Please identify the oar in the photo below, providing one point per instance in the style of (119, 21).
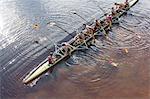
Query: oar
(54, 24)
(82, 48)
(146, 18)
(37, 42)
(73, 12)
(104, 12)
(126, 29)
(139, 15)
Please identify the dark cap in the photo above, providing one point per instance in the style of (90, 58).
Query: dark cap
(105, 14)
(51, 53)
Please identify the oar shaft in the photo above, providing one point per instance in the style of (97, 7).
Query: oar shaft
(99, 6)
(101, 9)
(80, 17)
(37, 42)
(54, 24)
(64, 30)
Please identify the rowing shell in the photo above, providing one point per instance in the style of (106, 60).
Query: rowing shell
(45, 66)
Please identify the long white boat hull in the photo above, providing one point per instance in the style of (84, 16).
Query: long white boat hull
(36, 72)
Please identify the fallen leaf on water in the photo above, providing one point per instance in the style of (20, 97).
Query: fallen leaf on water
(114, 64)
(36, 26)
(126, 50)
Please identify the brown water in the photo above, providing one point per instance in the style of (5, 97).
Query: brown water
(86, 74)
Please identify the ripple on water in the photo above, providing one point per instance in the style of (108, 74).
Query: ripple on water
(92, 75)
(92, 79)
(135, 38)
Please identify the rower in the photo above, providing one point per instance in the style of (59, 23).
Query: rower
(79, 37)
(97, 25)
(109, 21)
(114, 15)
(116, 6)
(113, 12)
(66, 48)
(82, 38)
(88, 30)
(50, 59)
(103, 24)
(119, 7)
(126, 3)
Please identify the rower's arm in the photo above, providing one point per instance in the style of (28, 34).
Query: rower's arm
(72, 46)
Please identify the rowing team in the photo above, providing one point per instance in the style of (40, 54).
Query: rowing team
(88, 31)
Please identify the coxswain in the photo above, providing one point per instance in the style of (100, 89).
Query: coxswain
(50, 59)
(97, 25)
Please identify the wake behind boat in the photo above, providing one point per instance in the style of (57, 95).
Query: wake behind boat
(85, 38)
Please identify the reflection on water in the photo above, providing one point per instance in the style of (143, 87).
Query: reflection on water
(86, 74)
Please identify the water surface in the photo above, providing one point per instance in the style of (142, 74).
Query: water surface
(86, 74)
